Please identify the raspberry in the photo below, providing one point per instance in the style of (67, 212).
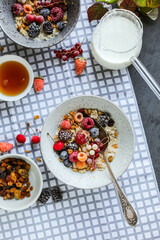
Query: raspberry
(30, 18)
(48, 27)
(21, 138)
(39, 19)
(82, 137)
(56, 14)
(33, 30)
(73, 157)
(44, 12)
(87, 123)
(64, 135)
(65, 124)
(16, 9)
(35, 139)
(5, 147)
(58, 146)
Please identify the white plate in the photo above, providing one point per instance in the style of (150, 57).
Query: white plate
(97, 178)
(36, 181)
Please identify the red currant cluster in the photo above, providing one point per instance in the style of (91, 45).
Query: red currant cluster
(50, 4)
(64, 54)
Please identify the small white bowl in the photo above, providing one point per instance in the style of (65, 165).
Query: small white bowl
(21, 60)
(97, 178)
(36, 181)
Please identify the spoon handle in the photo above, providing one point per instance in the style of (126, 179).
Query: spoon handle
(127, 209)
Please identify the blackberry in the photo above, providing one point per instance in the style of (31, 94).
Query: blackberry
(33, 30)
(110, 122)
(44, 12)
(56, 194)
(45, 195)
(64, 135)
(48, 27)
(103, 120)
(72, 145)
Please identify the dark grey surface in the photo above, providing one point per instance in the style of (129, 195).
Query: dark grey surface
(149, 105)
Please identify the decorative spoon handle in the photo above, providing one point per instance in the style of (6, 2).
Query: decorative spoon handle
(127, 209)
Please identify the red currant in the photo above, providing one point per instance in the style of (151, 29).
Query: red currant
(64, 58)
(80, 50)
(76, 53)
(21, 138)
(77, 45)
(35, 139)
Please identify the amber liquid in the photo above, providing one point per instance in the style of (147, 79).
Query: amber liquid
(14, 78)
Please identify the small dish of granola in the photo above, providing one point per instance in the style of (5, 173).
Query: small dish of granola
(20, 182)
(72, 146)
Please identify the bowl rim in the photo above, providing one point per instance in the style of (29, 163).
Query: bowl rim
(40, 183)
(46, 41)
(98, 97)
(26, 64)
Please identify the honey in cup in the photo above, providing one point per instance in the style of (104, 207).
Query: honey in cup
(14, 78)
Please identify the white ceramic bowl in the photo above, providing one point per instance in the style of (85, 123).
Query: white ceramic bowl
(21, 60)
(36, 181)
(97, 178)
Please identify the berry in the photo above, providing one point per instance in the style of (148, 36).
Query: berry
(73, 157)
(33, 30)
(44, 12)
(94, 132)
(78, 117)
(56, 14)
(58, 146)
(80, 64)
(21, 138)
(110, 122)
(87, 123)
(82, 137)
(64, 155)
(80, 165)
(82, 157)
(60, 25)
(89, 160)
(64, 8)
(92, 153)
(27, 8)
(65, 124)
(95, 147)
(81, 110)
(56, 194)
(38, 84)
(96, 155)
(67, 163)
(64, 135)
(39, 19)
(80, 51)
(76, 53)
(30, 18)
(103, 120)
(48, 27)
(98, 150)
(72, 145)
(97, 140)
(35, 139)
(100, 145)
(64, 58)
(77, 45)
(16, 9)
(45, 195)
(5, 147)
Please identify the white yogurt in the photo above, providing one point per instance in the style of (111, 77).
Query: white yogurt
(116, 39)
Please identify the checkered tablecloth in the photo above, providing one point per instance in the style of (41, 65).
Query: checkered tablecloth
(83, 214)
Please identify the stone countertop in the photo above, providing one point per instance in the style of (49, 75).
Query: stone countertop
(149, 105)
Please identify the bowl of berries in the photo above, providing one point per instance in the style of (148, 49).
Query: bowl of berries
(38, 23)
(74, 136)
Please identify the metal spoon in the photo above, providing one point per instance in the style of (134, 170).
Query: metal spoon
(127, 209)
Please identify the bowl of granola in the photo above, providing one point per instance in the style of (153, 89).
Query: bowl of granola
(38, 23)
(72, 143)
(20, 182)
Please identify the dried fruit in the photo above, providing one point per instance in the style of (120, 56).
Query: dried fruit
(5, 147)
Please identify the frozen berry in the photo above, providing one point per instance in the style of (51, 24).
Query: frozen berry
(89, 160)
(72, 145)
(64, 135)
(33, 30)
(103, 120)
(87, 123)
(58, 146)
(64, 155)
(56, 14)
(30, 18)
(95, 147)
(92, 152)
(94, 132)
(48, 27)
(73, 157)
(35, 139)
(44, 12)
(97, 140)
(16, 9)
(45, 195)
(56, 194)
(39, 19)
(82, 137)
(65, 124)
(67, 163)
(21, 138)
(60, 25)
